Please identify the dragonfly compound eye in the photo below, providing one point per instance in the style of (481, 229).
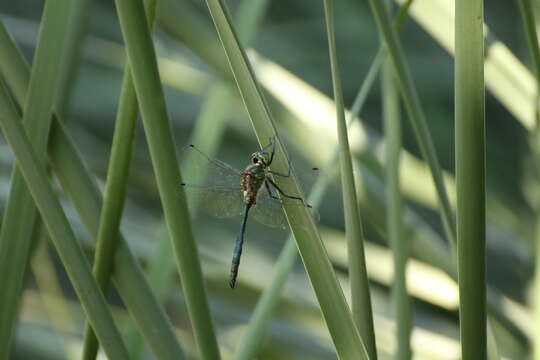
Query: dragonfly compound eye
(261, 157)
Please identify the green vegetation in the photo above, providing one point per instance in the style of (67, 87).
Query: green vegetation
(471, 177)
(414, 191)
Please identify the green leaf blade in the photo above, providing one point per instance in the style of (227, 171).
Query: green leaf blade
(146, 79)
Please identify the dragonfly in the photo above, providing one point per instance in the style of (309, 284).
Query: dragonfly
(224, 191)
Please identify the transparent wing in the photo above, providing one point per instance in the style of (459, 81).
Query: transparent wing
(226, 202)
(200, 169)
(213, 186)
(269, 211)
(209, 184)
(218, 201)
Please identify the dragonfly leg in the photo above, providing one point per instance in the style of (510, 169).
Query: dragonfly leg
(288, 174)
(283, 193)
(277, 173)
(273, 144)
(270, 191)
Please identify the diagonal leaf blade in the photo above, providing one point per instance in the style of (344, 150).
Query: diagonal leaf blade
(80, 186)
(146, 79)
(329, 294)
(14, 238)
(115, 193)
(60, 231)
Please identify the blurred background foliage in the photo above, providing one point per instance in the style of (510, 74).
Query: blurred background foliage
(292, 37)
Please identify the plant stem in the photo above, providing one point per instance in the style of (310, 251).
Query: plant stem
(416, 113)
(470, 176)
(360, 295)
(397, 237)
(79, 185)
(142, 59)
(529, 23)
(71, 254)
(115, 190)
(345, 335)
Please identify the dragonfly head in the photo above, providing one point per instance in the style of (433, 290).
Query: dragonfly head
(261, 157)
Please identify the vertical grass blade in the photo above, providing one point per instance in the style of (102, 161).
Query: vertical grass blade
(344, 333)
(254, 333)
(15, 239)
(470, 176)
(78, 184)
(537, 294)
(207, 133)
(360, 295)
(183, 30)
(265, 306)
(145, 75)
(115, 190)
(529, 23)
(397, 237)
(113, 199)
(209, 128)
(378, 62)
(59, 229)
(415, 112)
(417, 117)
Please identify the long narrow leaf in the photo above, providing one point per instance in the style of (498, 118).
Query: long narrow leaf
(470, 176)
(416, 113)
(78, 18)
(37, 109)
(329, 294)
(115, 191)
(48, 283)
(191, 23)
(80, 187)
(268, 301)
(160, 266)
(113, 200)
(254, 333)
(208, 130)
(503, 69)
(59, 229)
(528, 18)
(360, 294)
(527, 15)
(397, 237)
(142, 59)
(129, 278)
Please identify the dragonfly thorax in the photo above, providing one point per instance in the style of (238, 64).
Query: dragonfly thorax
(252, 179)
